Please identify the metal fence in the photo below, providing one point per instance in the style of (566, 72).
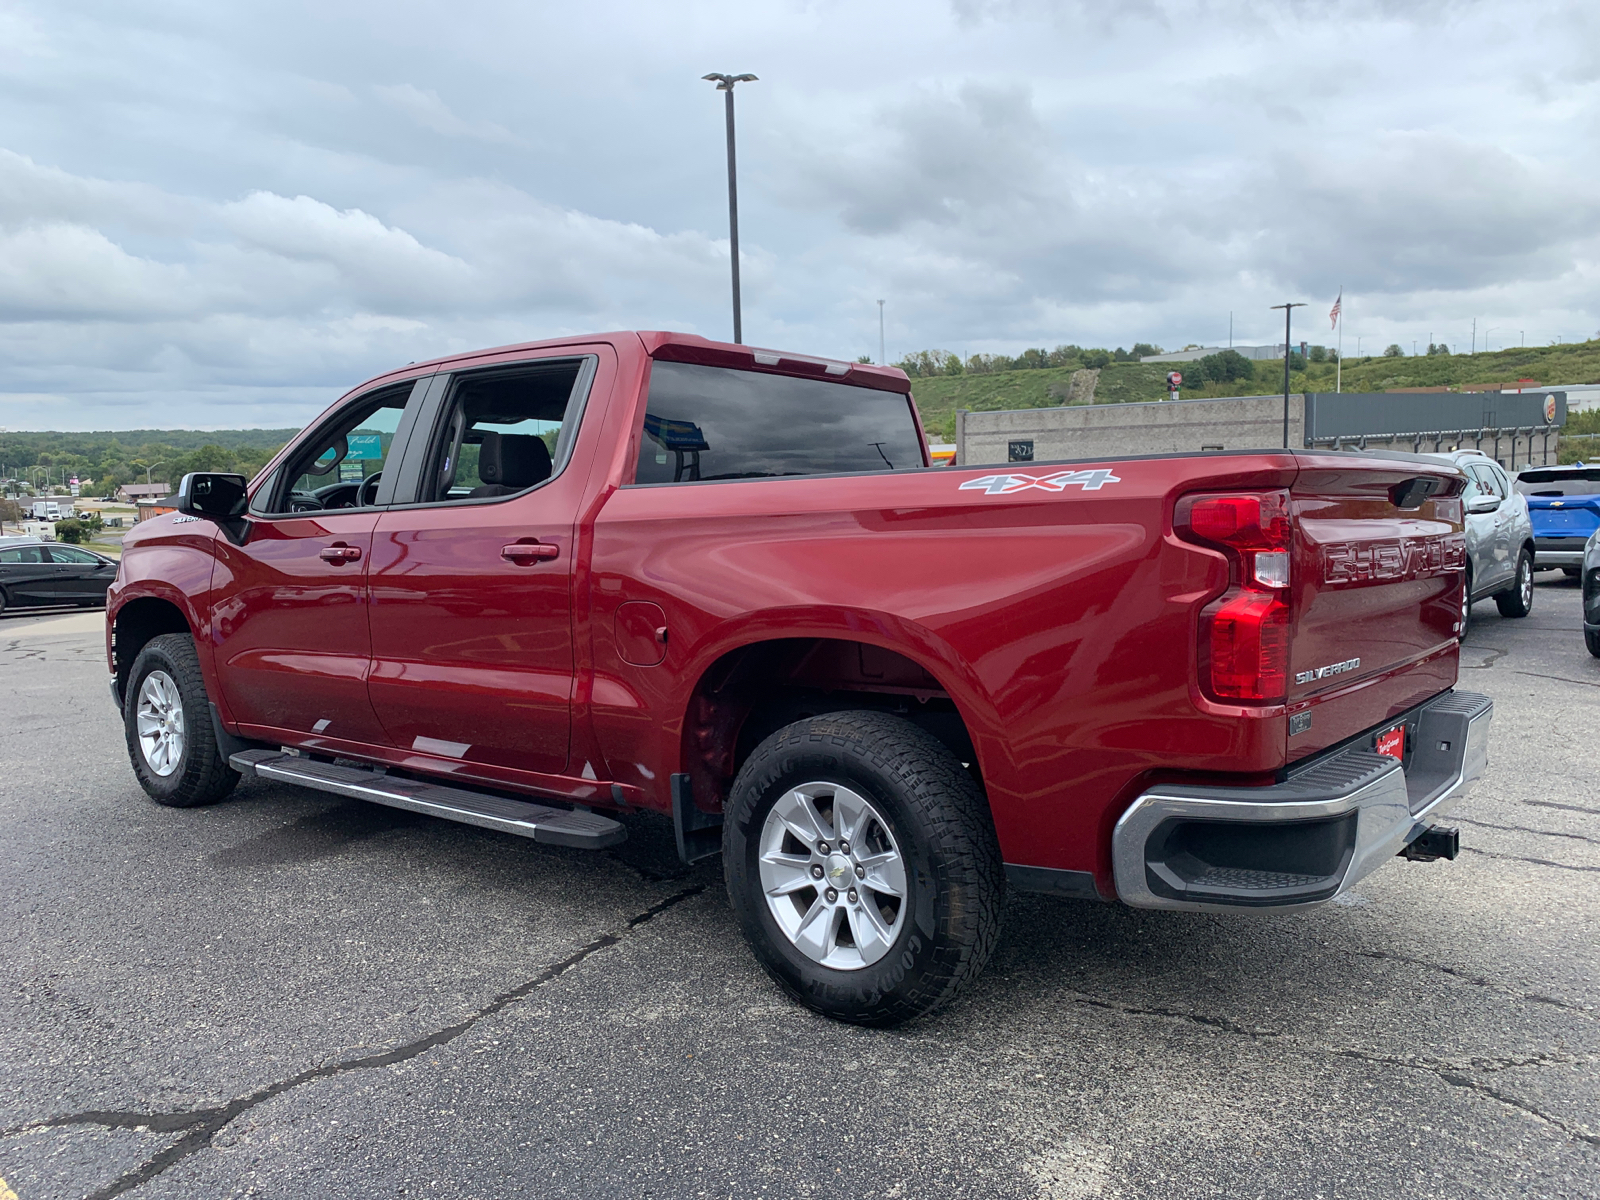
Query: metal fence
(1457, 439)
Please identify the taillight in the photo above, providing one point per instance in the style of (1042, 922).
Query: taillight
(1244, 635)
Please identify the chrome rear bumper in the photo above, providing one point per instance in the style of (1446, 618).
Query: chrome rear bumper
(1306, 840)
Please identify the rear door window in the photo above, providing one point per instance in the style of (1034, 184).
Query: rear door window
(703, 423)
(504, 430)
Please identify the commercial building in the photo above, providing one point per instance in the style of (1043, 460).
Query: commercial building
(1518, 430)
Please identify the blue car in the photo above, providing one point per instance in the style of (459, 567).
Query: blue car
(1564, 505)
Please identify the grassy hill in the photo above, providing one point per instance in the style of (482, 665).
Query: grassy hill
(940, 396)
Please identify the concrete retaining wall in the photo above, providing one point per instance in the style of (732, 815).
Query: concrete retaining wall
(1120, 430)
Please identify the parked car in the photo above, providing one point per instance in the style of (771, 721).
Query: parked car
(33, 572)
(1500, 546)
(1591, 593)
(1564, 505)
(649, 571)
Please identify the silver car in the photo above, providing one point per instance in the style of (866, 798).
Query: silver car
(1499, 537)
(1591, 593)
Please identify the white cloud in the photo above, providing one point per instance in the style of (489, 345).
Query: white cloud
(232, 213)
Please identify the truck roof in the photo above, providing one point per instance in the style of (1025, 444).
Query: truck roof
(680, 347)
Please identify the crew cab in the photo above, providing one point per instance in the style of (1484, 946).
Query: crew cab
(537, 587)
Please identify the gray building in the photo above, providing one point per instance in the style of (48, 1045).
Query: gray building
(1518, 430)
(1257, 353)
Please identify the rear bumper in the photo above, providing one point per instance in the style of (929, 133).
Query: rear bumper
(1306, 840)
(1558, 552)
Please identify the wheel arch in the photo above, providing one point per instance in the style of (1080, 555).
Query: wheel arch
(135, 623)
(751, 685)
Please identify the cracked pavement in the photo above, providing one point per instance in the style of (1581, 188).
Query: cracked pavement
(295, 994)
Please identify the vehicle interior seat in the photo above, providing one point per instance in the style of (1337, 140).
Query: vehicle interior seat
(510, 462)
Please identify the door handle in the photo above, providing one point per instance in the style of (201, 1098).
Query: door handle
(526, 553)
(339, 553)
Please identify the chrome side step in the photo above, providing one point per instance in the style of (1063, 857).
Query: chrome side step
(553, 826)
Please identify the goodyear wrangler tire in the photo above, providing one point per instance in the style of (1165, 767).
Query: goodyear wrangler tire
(863, 867)
(167, 723)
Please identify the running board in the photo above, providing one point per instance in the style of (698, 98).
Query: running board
(580, 829)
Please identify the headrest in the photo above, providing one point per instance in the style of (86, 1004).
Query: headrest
(513, 460)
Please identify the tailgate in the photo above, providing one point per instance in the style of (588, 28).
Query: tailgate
(1377, 581)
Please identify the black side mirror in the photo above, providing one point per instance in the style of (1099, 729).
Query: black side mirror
(214, 496)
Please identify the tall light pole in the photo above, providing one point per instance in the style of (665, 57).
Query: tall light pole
(883, 355)
(725, 84)
(1288, 311)
(150, 468)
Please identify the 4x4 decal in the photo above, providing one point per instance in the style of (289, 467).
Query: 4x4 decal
(1004, 485)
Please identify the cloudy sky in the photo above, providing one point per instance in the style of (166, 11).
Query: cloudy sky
(226, 214)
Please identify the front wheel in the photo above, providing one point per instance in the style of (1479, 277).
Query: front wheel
(1517, 600)
(863, 867)
(1591, 639)
(167, 722)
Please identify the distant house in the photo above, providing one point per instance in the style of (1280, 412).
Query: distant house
(152, 506)
(132, 493)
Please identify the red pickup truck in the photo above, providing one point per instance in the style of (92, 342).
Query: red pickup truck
(534, 587)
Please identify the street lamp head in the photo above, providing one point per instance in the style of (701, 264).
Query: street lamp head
(725, 82)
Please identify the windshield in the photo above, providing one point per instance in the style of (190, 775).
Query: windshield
(705, 423)
(1583, 482)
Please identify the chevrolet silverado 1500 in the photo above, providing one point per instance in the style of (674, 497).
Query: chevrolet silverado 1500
(533, 587)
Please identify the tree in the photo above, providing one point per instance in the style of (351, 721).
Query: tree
(1319, 354)
(1144, 350)
(1392, 350)
(1441, 348)
(1224, 366)
(71, 531)
(864, 358)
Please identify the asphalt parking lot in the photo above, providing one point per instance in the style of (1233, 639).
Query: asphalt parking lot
(290, 994)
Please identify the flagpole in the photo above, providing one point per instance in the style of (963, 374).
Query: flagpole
(1338, 367)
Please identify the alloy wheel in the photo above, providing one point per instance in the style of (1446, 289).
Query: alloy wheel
(833, 875)
(159, 720)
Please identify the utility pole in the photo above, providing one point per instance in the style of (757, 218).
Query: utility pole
(1288, 311)
(1474, 343)
(725, 85)
(883, 357)
(1230, 331)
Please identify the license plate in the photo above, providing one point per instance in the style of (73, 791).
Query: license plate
(1392, 742)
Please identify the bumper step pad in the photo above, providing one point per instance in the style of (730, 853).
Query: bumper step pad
(554, 826)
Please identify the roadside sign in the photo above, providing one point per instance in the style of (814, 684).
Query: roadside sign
(365, 447)
(1174, 378)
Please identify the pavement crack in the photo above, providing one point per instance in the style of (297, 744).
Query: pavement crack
(1559, 678)
(200, 1125)
(1538, 862)
(1176, 1014)
(1524, 829)
(1577, 808)
(1495, 655)
(1453, 1075)
(1479, 981)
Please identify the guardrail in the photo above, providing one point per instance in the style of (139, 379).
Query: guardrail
(1457, 437)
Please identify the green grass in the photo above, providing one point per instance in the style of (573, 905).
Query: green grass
(939, 397)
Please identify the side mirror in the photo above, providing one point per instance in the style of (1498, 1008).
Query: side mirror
(1483, 504)
(216, 497)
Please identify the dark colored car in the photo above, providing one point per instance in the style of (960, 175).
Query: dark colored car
(1564, 505)
(37, 573)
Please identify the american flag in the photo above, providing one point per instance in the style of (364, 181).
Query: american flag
(1333, 314)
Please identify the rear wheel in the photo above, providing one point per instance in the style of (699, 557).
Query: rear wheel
(167, 723)
(1517, 600)
(1591, 639)
(863, 867)
(1466, 604)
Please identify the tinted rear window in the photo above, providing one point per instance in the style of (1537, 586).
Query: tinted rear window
(717, 423)
(1559, 483)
